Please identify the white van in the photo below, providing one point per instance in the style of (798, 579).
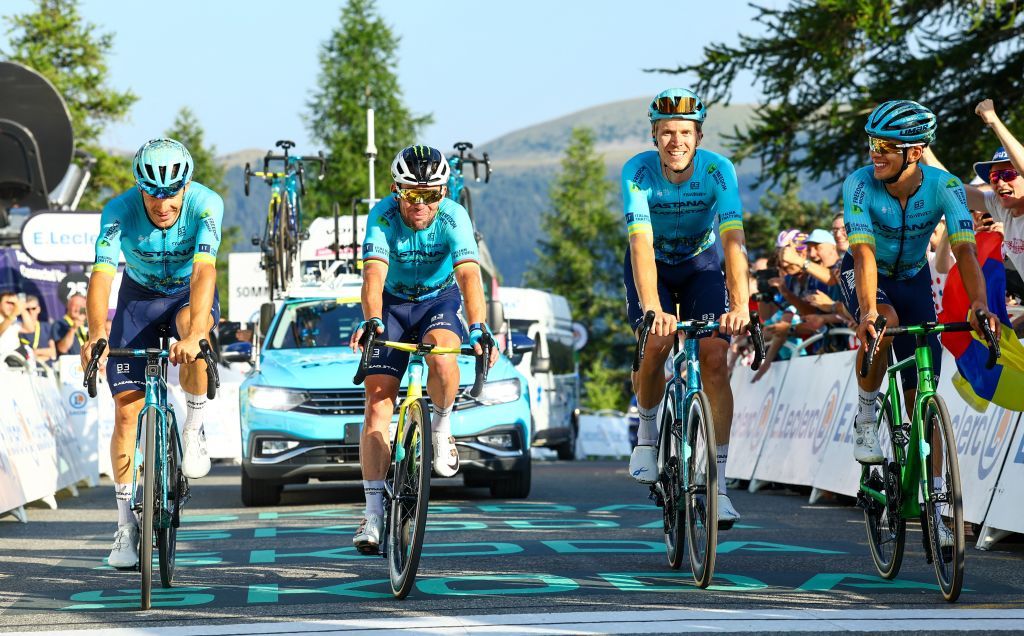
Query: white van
(551, 369)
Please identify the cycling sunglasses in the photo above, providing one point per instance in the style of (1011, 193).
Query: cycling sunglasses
(425, 197)
(887, 146)
(679, 105)
(1007, 175)
(158, 192)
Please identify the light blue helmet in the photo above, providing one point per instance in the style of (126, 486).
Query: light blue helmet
(162, 167)
(902, 120)
(677, 103)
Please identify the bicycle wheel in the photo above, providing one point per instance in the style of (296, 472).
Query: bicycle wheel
(280, 246)
(885, 525)
(943, 507)
(671, 481)
(701, 489)
(167, 533)
(149, 497)
(410, 489)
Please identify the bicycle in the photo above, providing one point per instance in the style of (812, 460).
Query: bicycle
(158, 455)
(888, 491)
(407, 483)
(457, 190)
(283, 229)
(687, 438)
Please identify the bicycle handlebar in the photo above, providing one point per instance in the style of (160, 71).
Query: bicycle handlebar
(753, 328)
(462, 147)
(205, 351)
(369, 339)
(993, 345)
(757, 336)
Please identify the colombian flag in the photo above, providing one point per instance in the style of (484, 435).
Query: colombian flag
(1003, 383)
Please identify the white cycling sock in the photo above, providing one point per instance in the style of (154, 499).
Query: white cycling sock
(647, 434)
(373, 490)
(123, 494)
(196, 408)
(441, 422)
(866, 405)
(937, 484)
(722, 456)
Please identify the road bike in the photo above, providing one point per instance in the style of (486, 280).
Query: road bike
(687, 485)
(407, 484)
(157, 455)
(889, 492)
(283, 229)
(457, 189)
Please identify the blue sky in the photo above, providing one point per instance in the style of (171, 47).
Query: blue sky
(482, 68)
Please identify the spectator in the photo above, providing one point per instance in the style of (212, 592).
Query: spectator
(11, 307)
(826, 297)
(839, 233)
(940, 261)
(70, 332)
(35, 334)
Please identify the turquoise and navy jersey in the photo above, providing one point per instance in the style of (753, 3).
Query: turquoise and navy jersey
(157, 259)
(682, 216)
(421, 263)
(900, 236)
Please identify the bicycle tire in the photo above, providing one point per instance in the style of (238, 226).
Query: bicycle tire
(671, 482)
(407, 517)
(466, 201)
(948, 562)
(886, 528)
(148, 508)
(167, 533)
(701, 490)
(279, 246)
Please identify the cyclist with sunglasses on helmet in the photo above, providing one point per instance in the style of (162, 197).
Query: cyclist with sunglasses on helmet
(419, 252)
(671, 197)
(168, 228)
(891, 208)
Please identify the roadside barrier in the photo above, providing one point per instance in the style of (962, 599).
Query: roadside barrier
(795, 426)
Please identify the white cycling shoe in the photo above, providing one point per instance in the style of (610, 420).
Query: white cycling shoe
(446, 456)
(195, 461)
(945, 534)
(125, 553)
(866, 449)
(643, 464)
(367, 538)
(727, 515)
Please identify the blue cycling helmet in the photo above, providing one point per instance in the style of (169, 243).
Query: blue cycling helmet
(162, 167)
(677, 103)
(902, 120)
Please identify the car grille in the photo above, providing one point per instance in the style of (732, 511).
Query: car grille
(353, 402)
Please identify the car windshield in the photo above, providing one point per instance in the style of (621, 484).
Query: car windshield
(316, 323)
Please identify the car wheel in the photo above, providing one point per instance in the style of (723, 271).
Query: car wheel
(514, 486)
(567, 449)
(260, 492)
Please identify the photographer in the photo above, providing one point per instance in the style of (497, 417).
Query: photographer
(70, 332)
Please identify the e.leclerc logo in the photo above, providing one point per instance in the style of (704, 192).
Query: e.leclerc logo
(828, 412)
(77, 400)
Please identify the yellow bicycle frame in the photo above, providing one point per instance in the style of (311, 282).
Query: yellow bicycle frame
(275, 193)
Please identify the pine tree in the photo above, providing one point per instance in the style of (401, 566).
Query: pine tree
(358, 71)
(581, 259)
(71, 53)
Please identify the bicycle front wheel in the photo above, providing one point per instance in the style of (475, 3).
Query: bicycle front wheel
(943, 507)
(671, 481)
(886, 527)
(701, 489)
(167, 533)
(149, 507)
(410, 488)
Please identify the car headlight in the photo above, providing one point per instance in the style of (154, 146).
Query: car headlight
(500, 392)
(274, 399)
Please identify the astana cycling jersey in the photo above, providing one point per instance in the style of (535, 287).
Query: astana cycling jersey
(160, 259)
(681, 217)
(900, 235)
(421, 263)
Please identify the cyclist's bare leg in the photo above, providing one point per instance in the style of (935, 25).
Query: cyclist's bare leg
(375, 441)
(714, 375)
(442, 370)
(122, 442)
(649, 381)
(193, 374)
(877, 371)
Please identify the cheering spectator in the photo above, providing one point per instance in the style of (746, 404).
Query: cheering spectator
(839, 233)
(70, 332)
(11, 307)
(35, 334)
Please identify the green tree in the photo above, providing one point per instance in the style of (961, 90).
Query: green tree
(581, 259)
(823, 65)
(55, 41)
(358, 71)
(783, 210)
(208, 171)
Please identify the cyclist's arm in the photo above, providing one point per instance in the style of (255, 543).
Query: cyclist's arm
(635, 196)
(108, 252)
(730, 228)
(374, 274)
(466, 263)
(470, 282)
(861, 234)
(204, 269)
(960, 228)
(975, 195)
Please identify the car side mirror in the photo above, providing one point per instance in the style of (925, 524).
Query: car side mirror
(237, 352)
(496, 315)
(522, 344)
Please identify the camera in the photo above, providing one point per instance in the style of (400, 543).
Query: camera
(764, 288)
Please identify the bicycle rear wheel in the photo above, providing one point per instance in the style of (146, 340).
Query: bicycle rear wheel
(671, 481)
(149, 507)
(280, 245)
(410, 488)
(885, 525)
(943, 507)
(167, 533)
(701, 491)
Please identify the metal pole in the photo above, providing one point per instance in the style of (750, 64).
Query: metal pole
(371, 152)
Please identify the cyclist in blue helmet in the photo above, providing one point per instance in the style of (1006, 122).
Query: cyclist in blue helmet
(168, 229)
(672, 197)
(891, 208)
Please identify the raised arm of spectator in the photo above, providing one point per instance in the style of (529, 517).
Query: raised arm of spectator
(943, 254)
(1014, 149)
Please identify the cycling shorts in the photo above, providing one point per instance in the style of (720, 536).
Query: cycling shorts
(408, 321)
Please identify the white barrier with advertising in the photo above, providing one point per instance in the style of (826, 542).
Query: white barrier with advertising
(1006, 511)
(753, 406)
(82, 415)
(247, 286)
(813, 403)
(220, 420)
(603, 436)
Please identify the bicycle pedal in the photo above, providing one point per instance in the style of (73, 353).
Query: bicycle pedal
(726, 524)
(368, 549)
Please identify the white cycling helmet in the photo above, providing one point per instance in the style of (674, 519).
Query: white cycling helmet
(420, 166)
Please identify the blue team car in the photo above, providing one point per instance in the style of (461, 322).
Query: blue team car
(301, 414)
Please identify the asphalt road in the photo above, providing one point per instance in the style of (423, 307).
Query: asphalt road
(586, 540)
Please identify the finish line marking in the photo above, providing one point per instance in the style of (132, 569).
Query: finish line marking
(657, 621)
